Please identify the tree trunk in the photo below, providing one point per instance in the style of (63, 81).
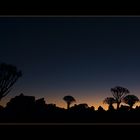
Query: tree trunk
(111, 107)
(118, 105)
(131, 107)
(68, 105)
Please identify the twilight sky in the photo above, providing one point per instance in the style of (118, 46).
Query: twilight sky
(79, 56)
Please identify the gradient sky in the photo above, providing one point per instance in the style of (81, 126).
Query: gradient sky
(79, 56)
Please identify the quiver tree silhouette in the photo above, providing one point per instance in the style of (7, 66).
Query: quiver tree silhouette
(130, 100)
(8, 77)
(110, 101)
(68, 99)
(119, 93)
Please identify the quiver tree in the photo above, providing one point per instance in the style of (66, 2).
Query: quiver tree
(130, 100)
(69, 99)
(119, 93)
(8, 77)
(110, 101)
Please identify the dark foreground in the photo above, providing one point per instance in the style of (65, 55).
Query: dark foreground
(70, 116)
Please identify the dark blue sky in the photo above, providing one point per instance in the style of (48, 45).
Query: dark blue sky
(80, 56)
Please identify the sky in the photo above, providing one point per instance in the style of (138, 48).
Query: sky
(79, 56)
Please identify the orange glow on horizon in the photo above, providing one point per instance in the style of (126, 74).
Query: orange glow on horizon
(62, 104)
(95, 100)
